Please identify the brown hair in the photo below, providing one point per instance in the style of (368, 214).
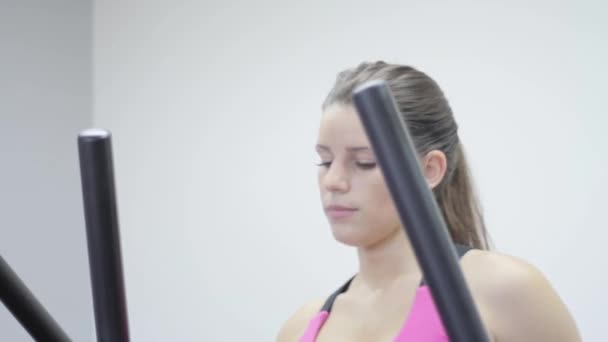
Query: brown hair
(432, 126)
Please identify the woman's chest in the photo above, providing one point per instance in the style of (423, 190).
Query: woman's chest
(360, 321)
(398, 319)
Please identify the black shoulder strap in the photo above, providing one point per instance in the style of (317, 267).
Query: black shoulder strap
(461, 250)
(330, 301)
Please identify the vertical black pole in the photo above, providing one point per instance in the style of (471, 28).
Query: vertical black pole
(26, 309)
(103, 238)
(418, 210)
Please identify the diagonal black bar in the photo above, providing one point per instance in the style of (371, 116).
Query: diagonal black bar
(418, 210)
(26, 309)
(103, 238)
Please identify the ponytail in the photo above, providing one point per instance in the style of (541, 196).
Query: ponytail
(460, 207)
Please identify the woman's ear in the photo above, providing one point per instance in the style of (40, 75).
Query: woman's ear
(434, 167)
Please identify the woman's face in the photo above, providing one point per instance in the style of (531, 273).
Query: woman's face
(353, 192)
(354, 195)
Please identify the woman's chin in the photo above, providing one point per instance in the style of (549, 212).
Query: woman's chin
(349, 235)
(357, 236)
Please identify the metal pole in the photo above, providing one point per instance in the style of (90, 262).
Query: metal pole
(26, 309)
(103, 236)
(418, 210)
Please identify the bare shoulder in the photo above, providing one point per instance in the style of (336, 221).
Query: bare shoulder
(293, 328)
(522, 302)
(494, 273)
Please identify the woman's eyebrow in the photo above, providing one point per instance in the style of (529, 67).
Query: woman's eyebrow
(348, 148)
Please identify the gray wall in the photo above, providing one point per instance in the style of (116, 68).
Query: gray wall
(45, 99)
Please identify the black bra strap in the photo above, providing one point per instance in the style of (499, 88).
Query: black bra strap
(330, 301)
(460, 249)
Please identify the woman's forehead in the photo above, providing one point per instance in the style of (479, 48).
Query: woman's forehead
(342, 123)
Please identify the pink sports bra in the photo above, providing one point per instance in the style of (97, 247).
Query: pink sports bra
(423, 323)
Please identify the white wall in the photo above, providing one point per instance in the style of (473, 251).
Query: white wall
(214, 110)
(45, 99)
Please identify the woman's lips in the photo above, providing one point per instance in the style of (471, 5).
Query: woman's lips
(339, 212)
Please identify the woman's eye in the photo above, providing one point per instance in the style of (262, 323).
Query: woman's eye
(366, 166)
(324, 164)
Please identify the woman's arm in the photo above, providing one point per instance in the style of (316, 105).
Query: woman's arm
(523, 304)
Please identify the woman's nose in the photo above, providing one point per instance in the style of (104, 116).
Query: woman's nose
(336, 179)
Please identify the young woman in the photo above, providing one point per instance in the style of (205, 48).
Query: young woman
(387, 300)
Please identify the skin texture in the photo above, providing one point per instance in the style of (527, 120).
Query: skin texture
(515, 300)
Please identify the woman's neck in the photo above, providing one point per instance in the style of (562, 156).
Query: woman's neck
(385, 263)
